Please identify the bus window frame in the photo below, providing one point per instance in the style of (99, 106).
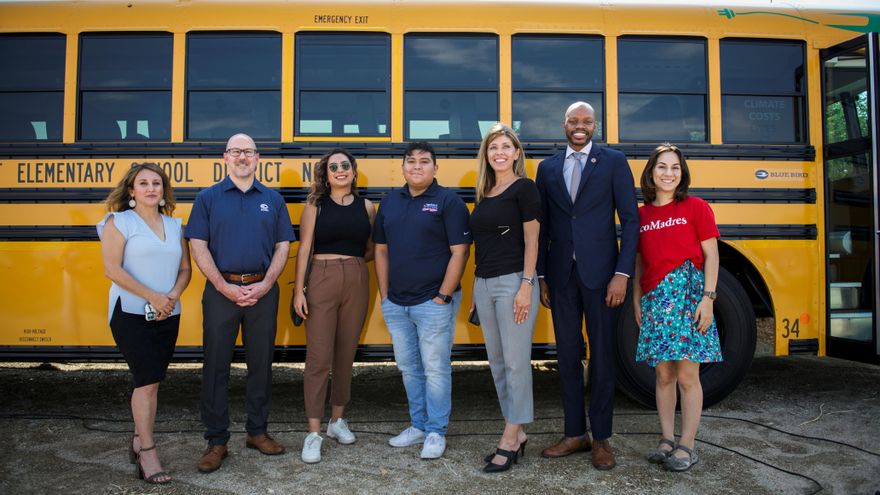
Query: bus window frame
(804, 106)
(436, 89)
(59, 90)
(299, 90)
(80, 89)
(602, 91)
(189, 88)
(707, 122)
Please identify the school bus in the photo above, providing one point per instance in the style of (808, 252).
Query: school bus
(774, 106)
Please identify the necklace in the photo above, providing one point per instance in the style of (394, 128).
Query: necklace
(502, 186)
(340, 201)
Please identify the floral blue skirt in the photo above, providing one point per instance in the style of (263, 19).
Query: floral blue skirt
(668, 331)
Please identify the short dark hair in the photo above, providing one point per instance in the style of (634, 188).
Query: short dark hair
(420, 146)
(649, 190)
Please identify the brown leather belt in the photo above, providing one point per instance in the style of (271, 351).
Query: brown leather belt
(243, 278)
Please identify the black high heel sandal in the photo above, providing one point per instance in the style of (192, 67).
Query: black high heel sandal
(132, 455)
(521, 449)
(510, 458)
(153, 479)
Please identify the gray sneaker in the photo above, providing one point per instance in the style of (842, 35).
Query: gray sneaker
(659, 455)
(674, 463)
(311, 452)
(339, 430)
(408, 437)
(435, 445)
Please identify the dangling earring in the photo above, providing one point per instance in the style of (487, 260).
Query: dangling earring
(162, 202)
(132, 203)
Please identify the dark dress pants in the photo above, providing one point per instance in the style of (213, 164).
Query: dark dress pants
(221, 321)
(569, 303)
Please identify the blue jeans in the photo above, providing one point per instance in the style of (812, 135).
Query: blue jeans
(422, 339)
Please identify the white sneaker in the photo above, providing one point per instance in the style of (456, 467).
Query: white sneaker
(409, 436)
(311, 452)
(434, 446)
(339, 430)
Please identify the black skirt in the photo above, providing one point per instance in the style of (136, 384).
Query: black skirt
(147, 346)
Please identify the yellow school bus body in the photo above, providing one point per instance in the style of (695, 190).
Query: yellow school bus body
(54, 299)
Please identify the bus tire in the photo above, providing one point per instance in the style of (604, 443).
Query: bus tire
(737, 332)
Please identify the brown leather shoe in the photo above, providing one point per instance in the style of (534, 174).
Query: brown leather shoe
(212, 459)
(567, 446)
(265, 444)
(603, 456)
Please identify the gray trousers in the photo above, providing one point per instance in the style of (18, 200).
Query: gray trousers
(508, 345)
(221, 321)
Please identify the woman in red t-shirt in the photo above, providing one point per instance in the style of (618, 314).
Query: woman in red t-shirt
(674, 291)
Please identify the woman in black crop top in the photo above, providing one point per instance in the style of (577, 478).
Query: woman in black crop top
(339, 223)
(505, 229)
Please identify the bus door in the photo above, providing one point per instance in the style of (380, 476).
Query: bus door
(850, 120)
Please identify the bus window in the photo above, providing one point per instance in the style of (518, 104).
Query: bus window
(450, 86)
(32, 87)
(550, 72)
(125, 86)
(763, 88)
(662, 84)
(233, 84)
(342, 84)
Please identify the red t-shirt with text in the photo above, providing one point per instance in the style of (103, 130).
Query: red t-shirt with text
(671, 234)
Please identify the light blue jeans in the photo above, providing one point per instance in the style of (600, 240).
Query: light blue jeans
(422, 339)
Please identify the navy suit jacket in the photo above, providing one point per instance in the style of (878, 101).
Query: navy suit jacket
(587, 227)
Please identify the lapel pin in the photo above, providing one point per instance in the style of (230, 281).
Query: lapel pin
(593, 160)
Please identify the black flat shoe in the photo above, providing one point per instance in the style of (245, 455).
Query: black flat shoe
(521, 449)
(510, 458)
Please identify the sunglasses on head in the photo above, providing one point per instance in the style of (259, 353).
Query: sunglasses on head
(334, 167)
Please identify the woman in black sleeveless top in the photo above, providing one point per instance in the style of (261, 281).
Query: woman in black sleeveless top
(339, 223)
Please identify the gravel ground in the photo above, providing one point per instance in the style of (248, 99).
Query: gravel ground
(65, 427)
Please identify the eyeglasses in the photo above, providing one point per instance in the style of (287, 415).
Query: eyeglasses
(344, 165)
(236, 152)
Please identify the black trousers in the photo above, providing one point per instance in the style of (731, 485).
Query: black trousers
(221, 321)
(569, 303)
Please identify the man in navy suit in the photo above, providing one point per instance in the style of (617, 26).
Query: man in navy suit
(582, 273)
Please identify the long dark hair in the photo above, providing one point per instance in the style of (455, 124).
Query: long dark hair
(649, 190)
(118, 198)
(320, 185)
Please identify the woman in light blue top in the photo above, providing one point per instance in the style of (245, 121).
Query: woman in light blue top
(147, 259)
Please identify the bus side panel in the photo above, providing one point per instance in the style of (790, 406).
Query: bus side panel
(790, 269)
(56, 294)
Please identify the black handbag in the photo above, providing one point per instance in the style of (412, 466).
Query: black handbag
(297, 319)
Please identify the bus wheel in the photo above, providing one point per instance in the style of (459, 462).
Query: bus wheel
(736, 330)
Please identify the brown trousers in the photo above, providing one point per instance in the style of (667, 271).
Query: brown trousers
(338, 296)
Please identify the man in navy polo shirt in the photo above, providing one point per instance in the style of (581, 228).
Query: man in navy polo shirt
(240, 233)
(422, 243)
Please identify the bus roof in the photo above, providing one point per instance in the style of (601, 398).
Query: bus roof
(822, 22)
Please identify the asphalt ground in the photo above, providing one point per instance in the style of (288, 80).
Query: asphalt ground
(796, 425)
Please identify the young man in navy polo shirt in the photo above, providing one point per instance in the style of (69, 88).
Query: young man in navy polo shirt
(240, 234)
(422, 242)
